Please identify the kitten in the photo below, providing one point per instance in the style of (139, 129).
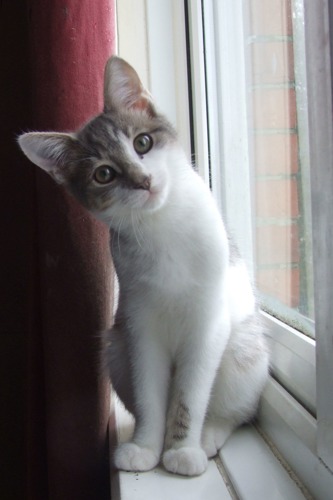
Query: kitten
(186, 354)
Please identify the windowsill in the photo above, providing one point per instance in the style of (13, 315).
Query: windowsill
(246, 469)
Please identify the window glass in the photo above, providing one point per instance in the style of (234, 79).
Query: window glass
(256, 59)
(278, 133)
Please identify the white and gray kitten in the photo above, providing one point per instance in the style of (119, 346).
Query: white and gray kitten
(186, 354)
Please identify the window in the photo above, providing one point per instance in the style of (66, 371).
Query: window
(263, 72)
(258, 155)
(279, 137)
(253, 80)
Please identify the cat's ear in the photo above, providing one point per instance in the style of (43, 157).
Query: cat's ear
(48, 150)
(123, 88)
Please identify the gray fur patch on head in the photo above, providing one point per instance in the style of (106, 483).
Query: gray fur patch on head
(102, 140)
(102, 135)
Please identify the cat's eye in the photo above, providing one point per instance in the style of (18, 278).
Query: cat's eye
(143, 143)
(104, 174)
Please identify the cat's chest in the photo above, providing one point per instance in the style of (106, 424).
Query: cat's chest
(166, 265)
(172, 254)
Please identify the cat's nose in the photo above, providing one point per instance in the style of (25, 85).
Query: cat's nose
(145, 183)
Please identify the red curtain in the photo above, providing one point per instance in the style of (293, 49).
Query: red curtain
(57, 268)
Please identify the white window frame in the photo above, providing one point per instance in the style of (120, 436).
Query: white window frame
(319, 44)
(302, 439)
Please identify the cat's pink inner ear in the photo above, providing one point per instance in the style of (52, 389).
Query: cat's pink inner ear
(45, 149)
(144, 104)
(123, 88)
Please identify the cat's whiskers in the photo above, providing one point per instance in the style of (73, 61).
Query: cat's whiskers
(115, 225)
(194, 161)
(136, 230)
(140, 226)
(118, 231)
(113, 233)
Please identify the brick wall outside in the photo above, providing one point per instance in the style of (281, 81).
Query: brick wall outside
(275, 149)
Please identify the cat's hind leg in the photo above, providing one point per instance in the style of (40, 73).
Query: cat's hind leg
(215, 433)
(236, 391)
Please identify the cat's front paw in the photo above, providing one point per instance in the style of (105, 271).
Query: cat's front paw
(186, 461)
(131, 457)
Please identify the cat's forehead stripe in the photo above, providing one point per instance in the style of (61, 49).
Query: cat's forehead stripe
(99, 136)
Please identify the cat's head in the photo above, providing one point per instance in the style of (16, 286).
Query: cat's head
(118, 161)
